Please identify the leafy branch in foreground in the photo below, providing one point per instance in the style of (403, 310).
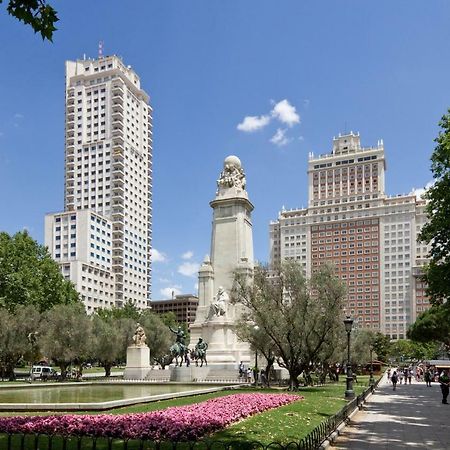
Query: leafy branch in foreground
(37, 13)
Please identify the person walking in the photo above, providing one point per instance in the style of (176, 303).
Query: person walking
(427, 378)
(389, 374)
(394, 379)
(410, 374)
(444, 381)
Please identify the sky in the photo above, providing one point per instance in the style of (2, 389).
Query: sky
(268, 81)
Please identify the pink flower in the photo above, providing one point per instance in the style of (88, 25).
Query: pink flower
(178, 423)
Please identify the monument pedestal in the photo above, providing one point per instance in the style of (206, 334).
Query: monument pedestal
(138, 363)
(188, 374)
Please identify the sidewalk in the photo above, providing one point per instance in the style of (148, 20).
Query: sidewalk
(412, 417)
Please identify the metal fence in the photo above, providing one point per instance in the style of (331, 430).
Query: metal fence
(310, 442)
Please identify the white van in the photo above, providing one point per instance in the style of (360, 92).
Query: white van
(42, 372)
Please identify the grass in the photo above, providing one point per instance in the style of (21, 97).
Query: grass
(285, 424)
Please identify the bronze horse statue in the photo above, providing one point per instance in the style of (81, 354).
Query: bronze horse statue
(179, 352)
(197, 356)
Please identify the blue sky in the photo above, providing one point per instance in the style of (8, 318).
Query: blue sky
(308, 69)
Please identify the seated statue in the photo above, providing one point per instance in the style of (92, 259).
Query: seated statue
(139, 336)
(219, 304)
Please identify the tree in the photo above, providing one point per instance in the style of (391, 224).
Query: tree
(66, 335)
(15, 329)
(437, 229)
(381, 346)
(159, 337)
(301, 317)
(36, 13)
(107, 343)
(29, 276)
(432, 326)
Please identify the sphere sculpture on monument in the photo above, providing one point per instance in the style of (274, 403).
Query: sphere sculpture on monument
(232, 174)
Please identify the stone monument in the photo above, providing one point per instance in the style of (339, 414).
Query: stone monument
(138, 357)
(231, 250)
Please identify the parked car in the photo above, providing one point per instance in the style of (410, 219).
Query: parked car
(42, 373)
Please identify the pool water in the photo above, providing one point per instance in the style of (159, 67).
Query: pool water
(91, 393)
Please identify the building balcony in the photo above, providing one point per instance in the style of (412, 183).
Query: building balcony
(70, 109)
(118, 189)
(118, 237)
(117, 124)
(70, 158)
(70, 132)
(117, 99)
(70, 118)
(116, 107)
(117, 89)
(118, 180)
(118, 215)
(70, 100)
(118, 172)
(117, 115)
(117, 133)
(118, 141)
(70, 141)
(118, 151)
(70, 166)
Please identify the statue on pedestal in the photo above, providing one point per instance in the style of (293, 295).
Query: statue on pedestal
(199, 353)
(179, 349)
(139, 336)
(219, 305)
(232, 174)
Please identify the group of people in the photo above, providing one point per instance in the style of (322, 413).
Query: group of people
(397, 376)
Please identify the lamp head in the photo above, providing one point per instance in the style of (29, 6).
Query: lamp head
(348, 323)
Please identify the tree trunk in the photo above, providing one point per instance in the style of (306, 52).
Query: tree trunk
(10, 372)
(107, 367)
(293, 379)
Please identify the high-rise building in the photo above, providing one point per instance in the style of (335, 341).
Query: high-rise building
(369, 237)
(104, 235)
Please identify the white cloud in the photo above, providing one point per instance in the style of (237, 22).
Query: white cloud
(158, 256)
(188, 255)
(285, 113)
(279, 138)
(420, 191)
(253, 123)
(18, 116)
(188, 269)
(170, 292)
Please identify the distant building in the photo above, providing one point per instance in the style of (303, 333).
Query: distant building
(102, 240)
(183, 306)
(369, 237)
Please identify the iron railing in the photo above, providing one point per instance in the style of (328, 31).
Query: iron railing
(58, 442)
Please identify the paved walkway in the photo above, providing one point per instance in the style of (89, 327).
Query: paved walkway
(412, 417)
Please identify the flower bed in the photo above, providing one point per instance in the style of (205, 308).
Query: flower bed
(176, 424)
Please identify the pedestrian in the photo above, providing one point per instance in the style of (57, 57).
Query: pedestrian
(410, 374)
(389, 374)
(249, 375)
(241, 369)
(427, 378)
(394, 379)
(400, 376)
(444, 381)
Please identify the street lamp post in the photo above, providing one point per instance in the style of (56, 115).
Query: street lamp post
(371, 379)
(255, 369)
(349, 393)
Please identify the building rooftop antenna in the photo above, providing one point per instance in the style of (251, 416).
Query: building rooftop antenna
(100, 49)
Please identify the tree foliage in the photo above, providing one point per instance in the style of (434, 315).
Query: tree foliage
(432, 326)
(437, 229)
(37, 13)
(301, 317)
(65, 335)
(15, 344)
(29, 276)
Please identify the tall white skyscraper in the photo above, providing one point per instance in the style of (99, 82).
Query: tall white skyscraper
(103, 239)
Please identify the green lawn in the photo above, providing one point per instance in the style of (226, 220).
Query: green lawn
(287, 423)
